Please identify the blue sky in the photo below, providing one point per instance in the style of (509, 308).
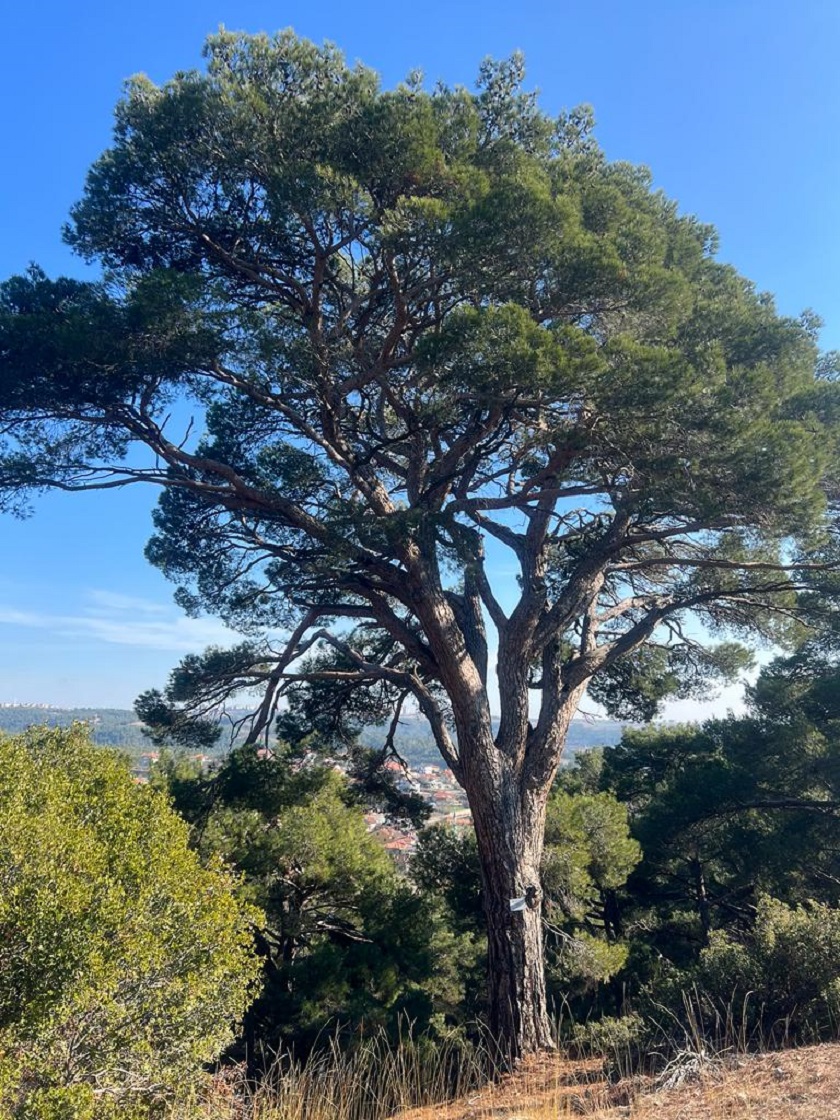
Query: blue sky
(734, 105)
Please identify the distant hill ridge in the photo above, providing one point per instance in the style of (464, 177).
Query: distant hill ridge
(119, 727)
(110, 727)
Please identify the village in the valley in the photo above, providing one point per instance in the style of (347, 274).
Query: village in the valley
(438, 786)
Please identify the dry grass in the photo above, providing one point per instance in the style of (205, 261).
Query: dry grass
(372, 1082)
(801, 1084)
(543, 1086)
(791, 1085)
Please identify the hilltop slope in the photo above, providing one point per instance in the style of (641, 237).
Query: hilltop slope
(799, 1084)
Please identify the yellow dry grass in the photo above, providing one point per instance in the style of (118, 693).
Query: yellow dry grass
(791, 1085)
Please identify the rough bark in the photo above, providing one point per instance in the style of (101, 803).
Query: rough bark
(509, 824)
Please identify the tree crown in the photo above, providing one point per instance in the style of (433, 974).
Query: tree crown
(422, 329)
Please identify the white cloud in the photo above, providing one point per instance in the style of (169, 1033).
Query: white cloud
(117, 619)
(115, 601)
(14, 617)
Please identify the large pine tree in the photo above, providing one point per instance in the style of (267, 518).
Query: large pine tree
(425, 338)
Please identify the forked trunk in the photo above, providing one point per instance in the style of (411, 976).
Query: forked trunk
(509, 829)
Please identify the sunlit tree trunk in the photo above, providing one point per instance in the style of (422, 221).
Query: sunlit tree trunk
(509, 824)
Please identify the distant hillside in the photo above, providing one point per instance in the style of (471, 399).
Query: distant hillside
(110, 727)
(118, 727)
(415, 743)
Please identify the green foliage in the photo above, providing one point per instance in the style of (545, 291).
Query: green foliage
(610, 1037)
(589, 845)
(736, 808)
(124, 964)
(445, 864)
(737, 818)
(107, 727)
(583, 772)
(345, 943)
(164, 729)
(785, 972)
(634, 687)
(588, 857)
(310, 729)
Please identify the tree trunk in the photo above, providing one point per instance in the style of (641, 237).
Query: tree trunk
(701, 898)
(611, 911)
(509, 826)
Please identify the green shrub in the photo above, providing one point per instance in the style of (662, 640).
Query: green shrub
(609, 1037)
(785, 974)
(124, 963)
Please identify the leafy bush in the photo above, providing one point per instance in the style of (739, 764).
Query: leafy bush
(123, 962)
(611, 1037)
(785, 974)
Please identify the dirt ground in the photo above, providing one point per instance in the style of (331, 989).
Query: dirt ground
(789, 1085)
